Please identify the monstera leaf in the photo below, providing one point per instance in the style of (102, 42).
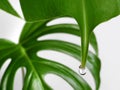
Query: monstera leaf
(6, 6)
(88, 14)
(24, 54)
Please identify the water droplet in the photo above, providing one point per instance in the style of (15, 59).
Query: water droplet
(82, 70)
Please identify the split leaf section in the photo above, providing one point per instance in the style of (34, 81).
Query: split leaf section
(88, 14)
(24, 54)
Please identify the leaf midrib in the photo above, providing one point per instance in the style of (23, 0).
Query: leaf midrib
(23, 51)
(84, 16)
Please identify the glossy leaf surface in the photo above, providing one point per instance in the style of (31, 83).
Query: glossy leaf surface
(62, 28)
(88, 14)
(24, 54)
(35, 28)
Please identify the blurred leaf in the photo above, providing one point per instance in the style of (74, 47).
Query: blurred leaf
(6, 6)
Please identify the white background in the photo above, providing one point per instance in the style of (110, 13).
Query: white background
(107, 33)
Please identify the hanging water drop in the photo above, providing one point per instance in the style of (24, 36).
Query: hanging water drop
(82, 70)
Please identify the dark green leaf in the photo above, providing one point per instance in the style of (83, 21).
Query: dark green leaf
(36, 69)
(73, 50)
(88, 14)
(24, 55)
(5, 50)
(35, 30)
(6, 6)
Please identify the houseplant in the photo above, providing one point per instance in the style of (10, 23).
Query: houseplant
(83, 11)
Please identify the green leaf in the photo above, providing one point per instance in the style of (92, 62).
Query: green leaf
(6, 6)
(36, 70)
(5, 46)
(24, 54)
(98, 10)
(88, 14)
(38, 29)
(93, 63)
